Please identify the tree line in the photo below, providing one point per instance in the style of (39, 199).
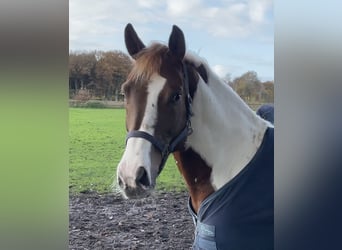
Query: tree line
(97, 74)
(251, 89)
(100, 74)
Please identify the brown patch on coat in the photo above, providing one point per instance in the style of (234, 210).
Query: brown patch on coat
(171, 118)
(135, 102)
(197, 175)
(148, 62)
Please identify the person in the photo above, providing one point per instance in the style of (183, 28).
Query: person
(266, 111)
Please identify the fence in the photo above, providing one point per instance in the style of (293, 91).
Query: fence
(95, 104)
(114, 104)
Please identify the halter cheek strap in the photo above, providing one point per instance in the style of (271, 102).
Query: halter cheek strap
(166, 148)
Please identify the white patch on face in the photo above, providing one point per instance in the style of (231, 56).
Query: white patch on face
(138, 150)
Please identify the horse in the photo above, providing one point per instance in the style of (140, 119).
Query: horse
(175, 104)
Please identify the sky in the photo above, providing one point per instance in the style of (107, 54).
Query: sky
(232, 36)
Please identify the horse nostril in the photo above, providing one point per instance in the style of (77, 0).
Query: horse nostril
(142, 177)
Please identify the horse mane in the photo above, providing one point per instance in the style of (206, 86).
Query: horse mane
(199, 63)
(147, 63)
(195, 59)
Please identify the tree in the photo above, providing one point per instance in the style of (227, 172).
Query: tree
(81, 69)
(268, 93)
(248, 86)
(98, 73)
(111, 71)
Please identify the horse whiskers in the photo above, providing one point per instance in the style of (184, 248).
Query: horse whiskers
(114, 187)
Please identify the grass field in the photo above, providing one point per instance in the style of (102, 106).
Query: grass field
(97, 140)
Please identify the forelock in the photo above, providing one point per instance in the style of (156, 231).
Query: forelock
(148, 62)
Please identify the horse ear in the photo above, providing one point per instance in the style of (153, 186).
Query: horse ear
(133, 43)
(177, 42)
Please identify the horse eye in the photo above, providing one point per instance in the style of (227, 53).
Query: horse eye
(175, 97)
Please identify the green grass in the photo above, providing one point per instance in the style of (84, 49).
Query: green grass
(97, 141)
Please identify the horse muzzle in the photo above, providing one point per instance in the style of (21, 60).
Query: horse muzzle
(136, 185)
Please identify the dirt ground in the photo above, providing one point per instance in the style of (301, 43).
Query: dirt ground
(107, 221)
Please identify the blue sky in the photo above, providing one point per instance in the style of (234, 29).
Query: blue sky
(233, 36)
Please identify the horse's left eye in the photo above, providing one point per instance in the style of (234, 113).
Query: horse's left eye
(175, 97)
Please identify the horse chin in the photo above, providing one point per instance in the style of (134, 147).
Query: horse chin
(138, 192)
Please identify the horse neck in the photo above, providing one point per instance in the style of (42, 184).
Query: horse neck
(226, 135)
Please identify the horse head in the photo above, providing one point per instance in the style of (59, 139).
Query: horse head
(158, 109)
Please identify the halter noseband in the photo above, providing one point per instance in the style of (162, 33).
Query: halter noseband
(166, 148)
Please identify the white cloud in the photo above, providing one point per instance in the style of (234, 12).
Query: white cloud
(89, 20)
(106, 18)
(219, 18)
(227, 21)
(257, 9)
(99, 25)
(224, 19)
(220, 70)
(149, 4)
(178, 8)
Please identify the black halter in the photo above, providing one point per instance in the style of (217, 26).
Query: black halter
(166, 148)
